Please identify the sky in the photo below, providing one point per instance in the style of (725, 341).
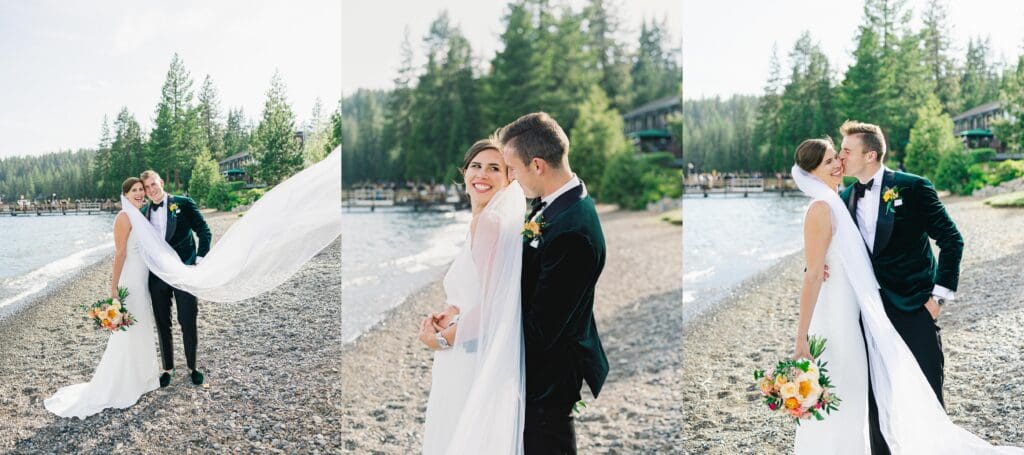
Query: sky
(372, 31)
(727, 43)
(63, 65)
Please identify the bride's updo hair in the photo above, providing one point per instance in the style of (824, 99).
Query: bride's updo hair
(128, 184)
(810, 152)
(476, 148)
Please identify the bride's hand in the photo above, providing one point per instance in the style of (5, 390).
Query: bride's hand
(443, 319)
(803, 350)
(427, 333)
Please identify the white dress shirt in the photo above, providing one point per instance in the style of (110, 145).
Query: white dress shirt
(867, 223)
(547, 200)
(867, 210)
(158, 218)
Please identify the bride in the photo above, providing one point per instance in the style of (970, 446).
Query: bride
(112, 384)
(282, 231)
(476, 394)
(910, 415)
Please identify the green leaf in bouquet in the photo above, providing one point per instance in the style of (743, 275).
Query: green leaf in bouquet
(816, 345)
(758, 374)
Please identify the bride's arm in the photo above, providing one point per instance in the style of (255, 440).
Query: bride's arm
(122, 227)
(817, 235)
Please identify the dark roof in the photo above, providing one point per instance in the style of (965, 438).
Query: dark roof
(977, 132)
(644, 134)
(990, 106)
(656, 105)
(235, 157)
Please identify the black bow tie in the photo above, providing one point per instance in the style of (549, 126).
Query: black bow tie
(860, 188)
(157, 205)
(535, 207)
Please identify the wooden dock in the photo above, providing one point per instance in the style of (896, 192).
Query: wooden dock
(84, 209)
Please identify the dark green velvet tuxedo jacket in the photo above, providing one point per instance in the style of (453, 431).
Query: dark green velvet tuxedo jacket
(903, 261)
(559, 274)
(181, 223)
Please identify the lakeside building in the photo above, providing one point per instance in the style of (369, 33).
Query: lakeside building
(647, 127)
(974, 127)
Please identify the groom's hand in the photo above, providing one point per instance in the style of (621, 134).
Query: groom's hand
(933, 308)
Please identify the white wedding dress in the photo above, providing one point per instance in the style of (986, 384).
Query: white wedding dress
(476, 399)
(129, 367)
(836, 317)
(910, 416)
(289, 225)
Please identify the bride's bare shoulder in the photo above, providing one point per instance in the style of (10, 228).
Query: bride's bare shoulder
(818, 214)
(121, 222)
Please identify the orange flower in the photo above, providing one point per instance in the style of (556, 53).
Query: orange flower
(111, 313)
(792, 403)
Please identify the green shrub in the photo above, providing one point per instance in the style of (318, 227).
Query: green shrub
(982, 155)
(632, 181)
(221, 197)
(956, 173)
(1008, 170)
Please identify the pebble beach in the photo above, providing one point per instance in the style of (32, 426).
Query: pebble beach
(982, 337)
(265, 361)
(386, 371)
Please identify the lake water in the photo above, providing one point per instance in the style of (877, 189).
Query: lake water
(39, 252)
(729, 239)
(387, 255)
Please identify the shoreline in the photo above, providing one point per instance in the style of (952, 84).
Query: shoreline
(263, 358)
(754, 325)
(387, 371)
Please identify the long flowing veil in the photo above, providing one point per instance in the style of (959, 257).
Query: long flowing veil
(489, 341)
(910, 415)
(289, 225)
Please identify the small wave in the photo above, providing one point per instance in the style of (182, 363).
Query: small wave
(39, 279)
(689, 297)
(779, 254)
(690, 277)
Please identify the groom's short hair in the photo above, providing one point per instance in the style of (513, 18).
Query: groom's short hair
(149, 174)
(536, 135)
(870, 135)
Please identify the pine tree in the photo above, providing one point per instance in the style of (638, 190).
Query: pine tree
(656, 72)
(236, 134)
(610, 57)
(979, 83)
(768, 128)
(209, 119)
(175, 125)
(277, 153)
(1010, 129)
(941, 67)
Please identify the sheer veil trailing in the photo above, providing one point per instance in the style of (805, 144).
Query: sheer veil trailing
(490, 338)
(289, 225)
(910, 415)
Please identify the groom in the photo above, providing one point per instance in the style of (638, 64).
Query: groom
(896, 214)
(562, 259)
(178, 218)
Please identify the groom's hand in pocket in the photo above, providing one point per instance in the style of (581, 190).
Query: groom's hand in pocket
(933, 308)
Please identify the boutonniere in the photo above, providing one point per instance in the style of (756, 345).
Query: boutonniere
(532, 229)
(174, 209)
(891, 197)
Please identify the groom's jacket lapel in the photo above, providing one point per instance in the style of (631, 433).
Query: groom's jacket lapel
(563, 202)
(886, 218)
(172, 221)
(851, 204)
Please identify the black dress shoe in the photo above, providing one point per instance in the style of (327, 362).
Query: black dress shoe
(165, 378)
(197, 377)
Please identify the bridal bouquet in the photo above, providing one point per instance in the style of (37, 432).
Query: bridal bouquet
(109, 314)
(799, 388)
